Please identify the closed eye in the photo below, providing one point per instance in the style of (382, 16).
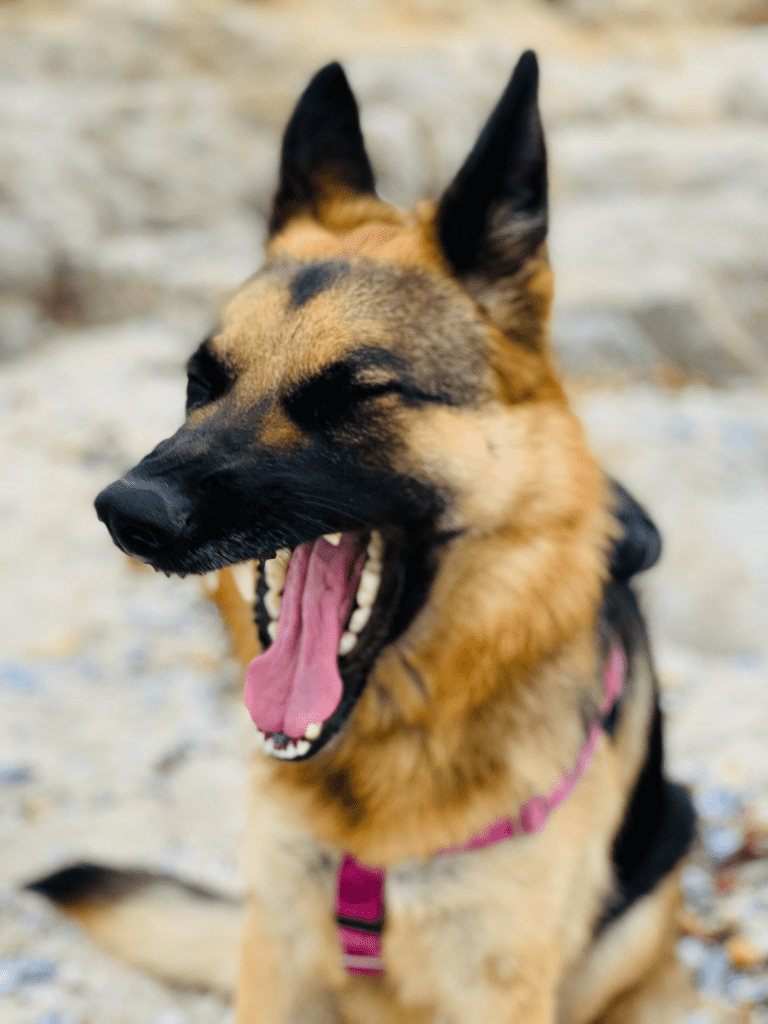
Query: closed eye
(334, 396)
(207, 378)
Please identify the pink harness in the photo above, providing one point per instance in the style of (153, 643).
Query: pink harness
(360, 889)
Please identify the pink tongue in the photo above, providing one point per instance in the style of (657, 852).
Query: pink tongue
(296, 680)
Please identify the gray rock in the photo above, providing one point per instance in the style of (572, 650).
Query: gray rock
(602, 341)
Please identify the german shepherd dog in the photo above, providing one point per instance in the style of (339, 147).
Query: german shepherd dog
(440, 594)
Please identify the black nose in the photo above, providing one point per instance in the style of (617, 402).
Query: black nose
(143, 516)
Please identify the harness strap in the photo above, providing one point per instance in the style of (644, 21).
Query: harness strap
(360, 889)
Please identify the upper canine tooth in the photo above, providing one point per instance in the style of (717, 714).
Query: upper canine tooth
(272, 630)
(370, 579)
(244, 575)
(359, 619)
(333, 538)
(272, 602)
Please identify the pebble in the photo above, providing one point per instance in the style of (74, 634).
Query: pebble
(21, 971)
(717, 802)
(15, 774)
(714, 972)
(743, 954)
(722, 842)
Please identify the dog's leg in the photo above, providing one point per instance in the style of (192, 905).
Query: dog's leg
(631, 974)
(271, 988)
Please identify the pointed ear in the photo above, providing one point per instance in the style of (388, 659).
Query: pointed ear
(493, 217)
(323, 151)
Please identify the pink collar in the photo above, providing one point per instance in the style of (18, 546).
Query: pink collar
(360, 889)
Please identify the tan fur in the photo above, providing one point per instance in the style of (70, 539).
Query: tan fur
(503, 933)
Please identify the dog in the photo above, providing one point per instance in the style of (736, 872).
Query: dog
(459, 812)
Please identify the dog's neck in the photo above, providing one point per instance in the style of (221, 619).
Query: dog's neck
(481, 705)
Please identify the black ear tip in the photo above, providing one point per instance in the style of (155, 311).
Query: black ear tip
(526, 73)
(330, 81)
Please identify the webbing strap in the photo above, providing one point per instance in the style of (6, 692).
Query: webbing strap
(360, 889)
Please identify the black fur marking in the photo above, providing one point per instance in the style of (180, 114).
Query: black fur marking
(90, 883)
(659, 823)
(640, 547)
(85, 883)
(322, 144)
(315, 278)
(332, 397)
(493, 216)
(207, 378)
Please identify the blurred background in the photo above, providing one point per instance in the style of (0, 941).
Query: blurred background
(138, 156)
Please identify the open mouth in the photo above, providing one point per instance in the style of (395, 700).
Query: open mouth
(317, 618)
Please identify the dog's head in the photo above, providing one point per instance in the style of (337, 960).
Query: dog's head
(384, 379)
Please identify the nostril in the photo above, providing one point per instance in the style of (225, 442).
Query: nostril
(143, 515)
(139, 536)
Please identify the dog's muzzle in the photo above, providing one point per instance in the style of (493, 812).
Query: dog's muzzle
(143, 516)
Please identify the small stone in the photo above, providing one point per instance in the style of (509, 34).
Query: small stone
(15, 774)
(691, 952)
(722, 842)
(17, 677)
(744, 989)
(713, 973)
(742, 953)
(717, 802)
(697, 887)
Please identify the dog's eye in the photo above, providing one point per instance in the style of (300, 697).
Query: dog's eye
(332, 397)
(207, 379)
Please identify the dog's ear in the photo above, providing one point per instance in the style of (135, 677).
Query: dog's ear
(493, 217)
(640, 546)
(323, 154)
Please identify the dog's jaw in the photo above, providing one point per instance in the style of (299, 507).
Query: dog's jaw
(325, 611)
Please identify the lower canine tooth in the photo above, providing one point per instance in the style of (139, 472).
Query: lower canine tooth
(348, 641)
(272, 602)
(333, 538)
(272, 630)
(313, 730)
(244, 576)
(302, 747)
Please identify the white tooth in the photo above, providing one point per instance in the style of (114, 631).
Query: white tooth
(333, 538)
(375, 547)
(359, 619)
(348, 641)
(370, 579)
(274, 574)
(283, 555)
(302, 747)
(269, 744)
(210, 581)
(244, 576)
(272, 602)
(272, 630)
(313, 730)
